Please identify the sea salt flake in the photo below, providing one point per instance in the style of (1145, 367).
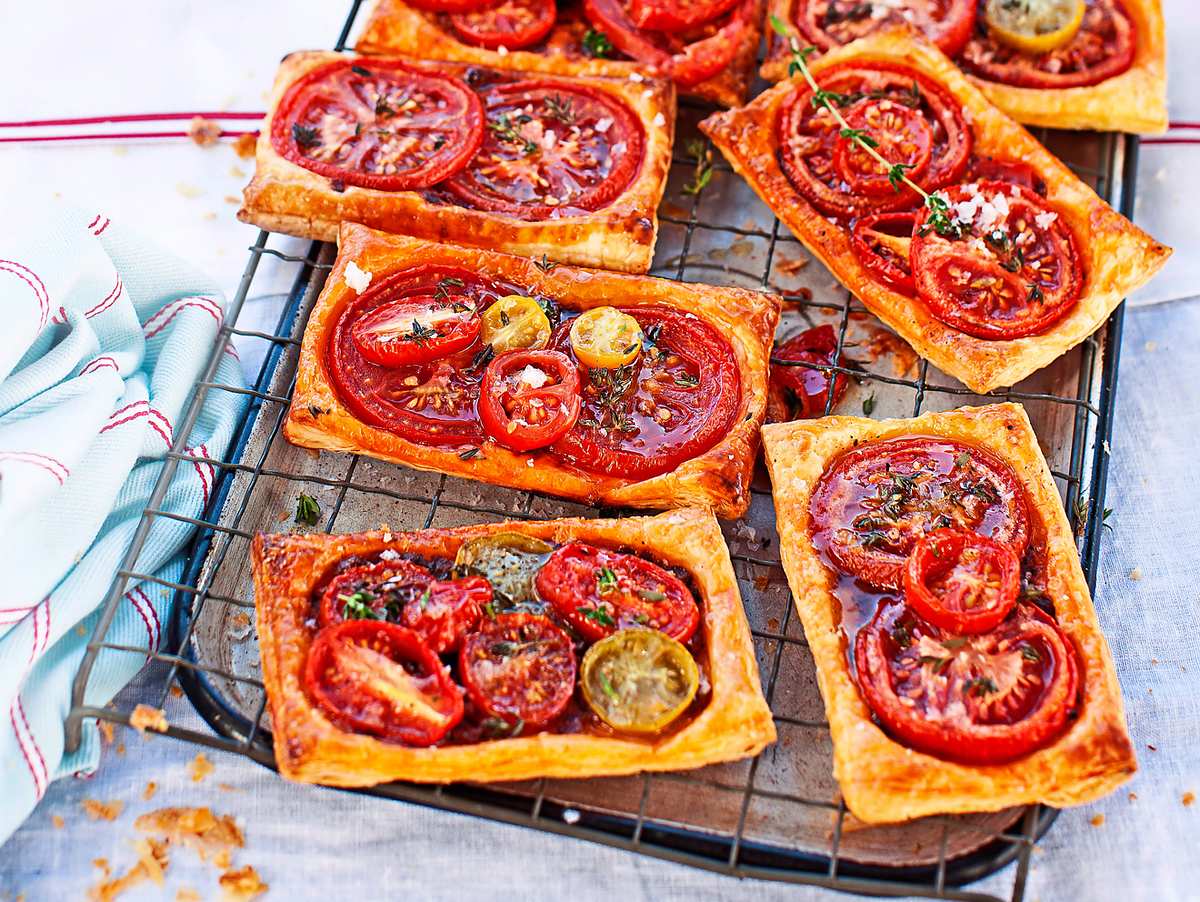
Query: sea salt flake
(356, 278)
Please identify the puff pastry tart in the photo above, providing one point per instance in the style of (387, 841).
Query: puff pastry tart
(957, 650)
(621, 390)
(1089, 64)
(508, 651)
(706, 47)
(495, 158)
(1025, 262)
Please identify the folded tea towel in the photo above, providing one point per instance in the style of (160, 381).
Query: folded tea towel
(103, 339)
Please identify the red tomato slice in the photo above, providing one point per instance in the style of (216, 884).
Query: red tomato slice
(529, 399)
(676, 15)
(982, 699)
(901, 134)
(552, 148)
(416, 330)
(809, 387)
(372, 677)
(810, 137)
(379, 124)
(873, 240)
(511, 24)
(876, 500)
(519, 668)
(449, 6)
(961, 582)
(991, 169)
(447, 610)
(1103, 48)
(1014, 270)
(599, 591)
(831, 23)
(675, 401)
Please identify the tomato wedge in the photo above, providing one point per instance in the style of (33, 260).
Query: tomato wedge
(882, 243)
(380, 124)
(982, 699)
(511, 24)
(416, 330)
(1013, 270)
(810, 387)
(831, 23)
(381, 679)
(529, 399)
(874, 502)
(519, 668)
(599, 591)
(639, 680)
(676, 15)
(552, 148)
(900, 133)
(961, 582)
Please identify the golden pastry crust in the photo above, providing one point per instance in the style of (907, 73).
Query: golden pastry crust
(1117, 256)
(736, 722)
(718, 479)
(286, 197)
(395, 27)
(883, 781)
(1134, 101)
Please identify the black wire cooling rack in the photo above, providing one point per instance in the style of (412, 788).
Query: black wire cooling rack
(778, 817)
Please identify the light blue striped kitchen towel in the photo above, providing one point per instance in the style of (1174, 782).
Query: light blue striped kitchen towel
(102, 341)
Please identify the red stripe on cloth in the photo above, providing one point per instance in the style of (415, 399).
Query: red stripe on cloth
(25, 753)
(55, 468)
(206, 304)
(30, 278)
(91, 225)
(30, 750)
(100, 231)
(1145, 141)
(108, 301)
(37, 751)
(98, 364)
(204, 478)
(153, 615)
(150, 637)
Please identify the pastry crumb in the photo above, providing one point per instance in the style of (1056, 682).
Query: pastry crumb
(237, 172)
(1188, 799)
(102, 865)
(151, 865)
(245, 145)
(200, 767)
(106, 731)
(120, 748)
(232, 199)
(150, 790)
(1133, 797)
(242, 884)
(204, 132)
(176, 691)
(57, 821)
(146, 718)
(207, 834)
(103, 811)
(1135, 574)
(187, 894)
(1097, 820)
(356, 278)
(789, 266)
(188, 190)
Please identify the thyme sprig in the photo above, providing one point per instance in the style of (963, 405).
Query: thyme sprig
(510, 132)
(701, 151)
(560, 108)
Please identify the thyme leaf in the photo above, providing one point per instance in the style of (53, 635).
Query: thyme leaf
(308, 511)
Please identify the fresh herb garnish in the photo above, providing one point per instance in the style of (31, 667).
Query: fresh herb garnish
(560, 108)
(901, 635)
(355, 607)
(607, 686)
(308, 511)
(421, 333)
(963, 460)
(1029, 653)
(868, 405)
(687, 380)
(359, 70)
(382, 108)
(510, 132)
(701, 151)
(596, 44)
(482, 358)
(650, 595)
(611, 387)
(641, 619)
(304, 135)
(980, 686)
(545, 264)
(495, 727)
(468, 453)
(1035, 293)
(598, 615)
(938, 664)
(606, 580)
(442, 291)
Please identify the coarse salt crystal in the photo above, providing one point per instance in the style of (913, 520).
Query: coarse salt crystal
(548, 139)
(603, 125)
(659, 120)
(533, 377)
(1045, 219)
(502, 50)
(636, 77)
(356, 278)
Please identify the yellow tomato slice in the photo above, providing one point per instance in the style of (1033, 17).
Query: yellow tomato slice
(1034, 26)
(638, 680)
(514, 322)
(605, 338)
(508, 560)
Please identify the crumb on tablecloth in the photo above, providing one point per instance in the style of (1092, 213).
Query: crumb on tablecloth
(150, 790)
(103, 811)
(242, 884)
(244, 145)
(146, 718)
(151, 865)
(1097, 820)
(200, 767)
(204, 132)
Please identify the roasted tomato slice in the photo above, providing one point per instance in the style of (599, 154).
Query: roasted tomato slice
(876, 500)
(676, 400)
(379, 678)
(831, 23)
(509, 561)
(606, 338)
(810, 138)
(676, 15)
(810, 387)
(882, 243)
(992, 169)
(1012, 270)
(1101, 48)
(446, 6)
(900, 133)
(961, 582)
(432, 403)
(519, 668)
(552, 148)
(416, 330)
(639, 680)
(514, 322)
(981, 699)
(378, 124)
(599, 591)
(687, 58)
(1036, 27)
(510, 24)
(529, 399)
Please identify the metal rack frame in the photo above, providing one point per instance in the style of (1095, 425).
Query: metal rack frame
(1092, 406)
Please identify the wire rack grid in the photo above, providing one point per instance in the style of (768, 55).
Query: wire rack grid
(1071, 404)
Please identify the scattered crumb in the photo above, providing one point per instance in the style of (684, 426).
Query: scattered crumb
(1152, 346)
(242, 884)
(150, 790)
(106, 731)
(103, 866)
(120, 748)
(196, 828)
(1097, 820)
(245, 144)
(761, 582)
(146, 718)
(790, 266)
(1135, 574)
(103, 811)
(152, 863)
(1188, 799)
(227, 787)
(187, 894)
(57, 821)
(232, 199)
(187, 190)
(209, 215)
(176, 691)
(204, 132)
(236, 172)
(200, 767)
(1133, 797)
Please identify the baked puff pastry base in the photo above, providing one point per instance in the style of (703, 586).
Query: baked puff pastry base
(736, 722)
(883, 781)
(285, 197)
(395, 27)
(1134, 101)
(1117, 256)
(718, 479)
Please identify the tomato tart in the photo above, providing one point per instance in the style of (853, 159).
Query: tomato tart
(957, 649)
(489, 157)
(1085, 64)
(507, 651)
(1023, 264)
(706, 47)
(620, 390)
